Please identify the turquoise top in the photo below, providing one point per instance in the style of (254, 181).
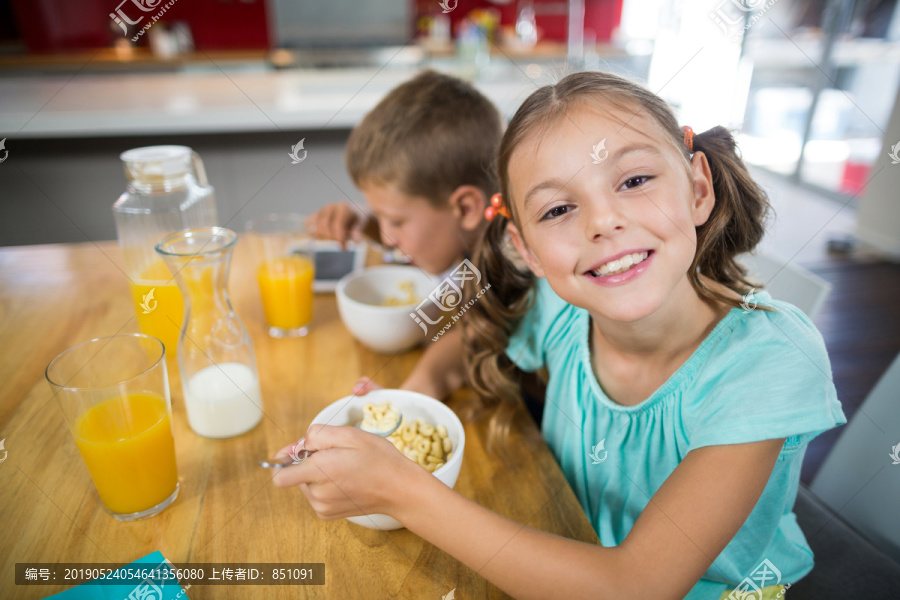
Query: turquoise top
(758, 375)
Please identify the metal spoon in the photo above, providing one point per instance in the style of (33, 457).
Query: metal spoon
(304, 454)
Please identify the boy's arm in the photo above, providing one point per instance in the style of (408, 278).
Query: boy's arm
(340, 221)
(441, 369)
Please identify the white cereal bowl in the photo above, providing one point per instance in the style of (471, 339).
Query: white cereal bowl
(348, 411)
(385, 329)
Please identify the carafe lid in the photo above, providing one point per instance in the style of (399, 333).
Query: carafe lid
(157, 161)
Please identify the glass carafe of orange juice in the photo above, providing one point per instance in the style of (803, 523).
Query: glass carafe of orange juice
(167, 192)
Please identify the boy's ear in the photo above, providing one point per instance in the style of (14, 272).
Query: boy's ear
(704, 199)
(467, 202)
(522, 248)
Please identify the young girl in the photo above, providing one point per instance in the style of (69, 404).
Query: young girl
(633, 302)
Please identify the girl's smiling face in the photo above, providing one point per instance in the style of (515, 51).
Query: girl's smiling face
(618, 237)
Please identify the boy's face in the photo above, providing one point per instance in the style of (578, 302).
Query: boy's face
(431, 237)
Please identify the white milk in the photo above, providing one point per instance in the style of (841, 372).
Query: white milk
(223, 400)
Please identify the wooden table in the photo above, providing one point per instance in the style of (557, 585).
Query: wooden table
(54, 297)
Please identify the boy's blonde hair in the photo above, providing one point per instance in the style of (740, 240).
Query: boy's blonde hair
(428, 136)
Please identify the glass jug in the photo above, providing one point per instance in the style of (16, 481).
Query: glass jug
(215, 353)
(167, 192)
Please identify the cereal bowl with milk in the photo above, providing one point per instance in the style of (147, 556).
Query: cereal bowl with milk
(417, 410)
(376, 304)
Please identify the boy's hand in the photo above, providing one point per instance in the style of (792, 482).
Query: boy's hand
(337, 221)
(365, 385)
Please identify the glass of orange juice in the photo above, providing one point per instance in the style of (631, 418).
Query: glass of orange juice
(285, 272)
(114, 393)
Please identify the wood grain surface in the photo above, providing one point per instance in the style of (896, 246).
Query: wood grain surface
(57, 296)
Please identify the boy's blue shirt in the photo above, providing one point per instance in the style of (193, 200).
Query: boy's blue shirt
(758, 375)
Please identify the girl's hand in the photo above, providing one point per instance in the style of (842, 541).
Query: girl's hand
(352, 473)
(364, 385)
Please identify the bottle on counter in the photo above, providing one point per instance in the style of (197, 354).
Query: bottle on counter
(167, 191)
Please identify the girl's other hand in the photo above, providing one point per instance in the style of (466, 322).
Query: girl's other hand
(352, 473)
(365, 385)
(337, 221)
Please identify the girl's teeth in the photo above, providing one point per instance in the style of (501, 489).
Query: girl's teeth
(621, 265)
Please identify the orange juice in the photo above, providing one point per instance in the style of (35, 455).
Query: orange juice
(127, 445)
(287, 291)
(158, 306)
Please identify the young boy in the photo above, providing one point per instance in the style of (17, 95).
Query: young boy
(423, 158)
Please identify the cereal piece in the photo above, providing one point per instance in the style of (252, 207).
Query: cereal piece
(447, 446)
(423, 446)
(441, 431)
(437, 450)
(426, 430)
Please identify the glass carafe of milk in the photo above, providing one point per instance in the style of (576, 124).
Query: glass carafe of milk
(215, 353)
(167, 192)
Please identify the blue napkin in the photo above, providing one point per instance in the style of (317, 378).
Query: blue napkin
(168, 589)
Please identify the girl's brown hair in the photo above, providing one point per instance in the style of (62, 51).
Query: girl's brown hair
(735, 225)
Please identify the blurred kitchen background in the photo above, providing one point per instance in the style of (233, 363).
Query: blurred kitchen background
(809, 86)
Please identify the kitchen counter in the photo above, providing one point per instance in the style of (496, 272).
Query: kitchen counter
(213, 98)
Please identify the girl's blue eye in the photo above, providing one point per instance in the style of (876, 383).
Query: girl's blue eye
(555, 212)
(645, 179)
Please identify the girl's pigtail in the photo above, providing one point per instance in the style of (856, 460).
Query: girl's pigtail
(736, 223)
(488, 326)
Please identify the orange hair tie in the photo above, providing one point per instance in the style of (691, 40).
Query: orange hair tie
(688, 138)
(497, 207)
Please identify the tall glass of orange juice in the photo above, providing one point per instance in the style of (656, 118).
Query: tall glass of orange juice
(115, 397)
(285, 272)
